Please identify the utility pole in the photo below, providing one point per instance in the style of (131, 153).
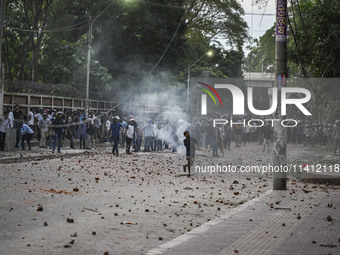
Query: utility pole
(89, 41)
(280, 143)
(2, 16)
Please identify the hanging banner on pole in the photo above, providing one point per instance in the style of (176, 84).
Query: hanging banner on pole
(281, 21)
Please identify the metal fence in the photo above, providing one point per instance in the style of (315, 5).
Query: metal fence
(29, 94)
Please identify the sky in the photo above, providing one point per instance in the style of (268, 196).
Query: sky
(257, 28)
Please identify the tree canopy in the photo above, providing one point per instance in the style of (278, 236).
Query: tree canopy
(313, 36)
(46, 40)
(313, 51)
(314, 42)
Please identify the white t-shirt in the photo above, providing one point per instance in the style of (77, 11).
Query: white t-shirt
(11, 118)
(129, 131)
(31, 121)
(108, 124)
(39, 116)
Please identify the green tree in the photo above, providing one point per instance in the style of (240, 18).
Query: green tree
(314, 47)
(65, 62)
(128, 39)
(314, 43)
(208, 20)
(262, 55)
(313, 51)
(31, 22)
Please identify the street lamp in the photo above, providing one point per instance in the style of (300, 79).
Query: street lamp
(209, 54)
(89, 42)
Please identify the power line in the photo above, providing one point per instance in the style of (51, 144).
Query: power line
(107, 7)
(259, 14)
(263, 13)
(62, 29)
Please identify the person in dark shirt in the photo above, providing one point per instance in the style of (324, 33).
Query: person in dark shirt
(189, 143)
(82, 133)
(17, 113)
(103, 120)
(90, 132)
(18, 116)
(214, 142)
(57, 130)
(115, 131)
(71, 132)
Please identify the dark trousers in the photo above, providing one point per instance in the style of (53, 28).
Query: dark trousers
(135, 144)
(159, 145)
(82, 143)
(115, 145)
(58, 137)
(71, 141)
(128, 144)
(26, 137)
(214, 146)
(2, 140)
(227, 142)
(17, 140)
(139, 142)
(147, 143)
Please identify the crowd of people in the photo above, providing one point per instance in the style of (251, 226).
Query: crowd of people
(55, 129)
(220, 137)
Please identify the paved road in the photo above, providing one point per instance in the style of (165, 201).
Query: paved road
(279, 222)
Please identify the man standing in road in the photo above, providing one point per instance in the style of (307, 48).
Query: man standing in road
(43, 126)
(115, 131)
(57, 131)
(17, 114)
(190, 145)
(129, 131)
(267, 136)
